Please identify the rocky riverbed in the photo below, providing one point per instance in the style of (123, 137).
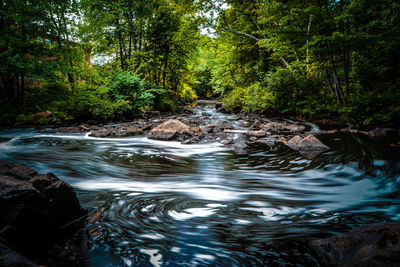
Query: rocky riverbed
(201, 188)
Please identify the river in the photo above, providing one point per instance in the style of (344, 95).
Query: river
(168, 204)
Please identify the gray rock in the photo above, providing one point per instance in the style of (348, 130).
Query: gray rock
(309, 143)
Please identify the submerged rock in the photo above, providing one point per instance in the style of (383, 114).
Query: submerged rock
(370, 245)
(170, 130)
(36, 211)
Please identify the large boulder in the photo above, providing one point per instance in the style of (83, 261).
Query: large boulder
(309, 143)
(370, 245)
(310, 146)
(36, 210)
(171, 130)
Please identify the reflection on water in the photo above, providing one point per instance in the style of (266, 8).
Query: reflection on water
(167, 204)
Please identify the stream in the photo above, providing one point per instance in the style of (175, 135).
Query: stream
(169, 204)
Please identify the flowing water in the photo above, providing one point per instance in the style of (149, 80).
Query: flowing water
(167, 204)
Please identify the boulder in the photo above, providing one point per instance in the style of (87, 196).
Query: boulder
(170, 130)
(36, 210)
(309, 143)
(370, 245)
(294, 143)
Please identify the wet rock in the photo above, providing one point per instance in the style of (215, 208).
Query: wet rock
(170, 130)
(217, 129)
(240, 146)
(196, 130)
(383, 132)
(36, 210)
(277, 127)
(225, 125)
(252, 139)
(310, 146)
(257, 124)
(309, 143)
(244, 123)
(101, 133)
(270, 141)
(210, 128)
(257, 134)
(193, 140)
(146, 126)
(369, 245)
(227, 141)
(294, 143)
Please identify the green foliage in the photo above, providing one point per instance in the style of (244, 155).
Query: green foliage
(140, 95)
(317, 59)
(329, 59)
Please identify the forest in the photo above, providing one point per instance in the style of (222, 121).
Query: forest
(110, 60)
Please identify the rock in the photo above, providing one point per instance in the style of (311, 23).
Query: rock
(383, 132)
(309, 143)
(225, 125)
(267, 140)
(146, 126)
(258, 134)
(370, 245)
(36, 210)
(227, 141)
(294, 143)
(101, 133)
(193, 140)
(244, 123)
(210, 128)
(240, 146)
(132, 132)
(277, 127)
(170, 130)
